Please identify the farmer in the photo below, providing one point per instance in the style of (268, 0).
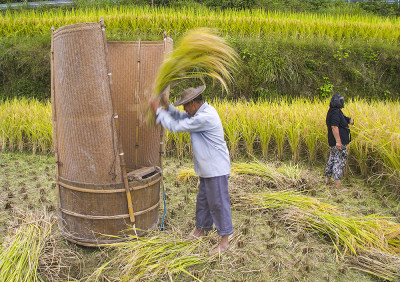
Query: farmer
(210, 159)
(338, 139)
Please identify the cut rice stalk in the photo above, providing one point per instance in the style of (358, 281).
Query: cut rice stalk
(348, 234)
(20, 252)
(152, 258)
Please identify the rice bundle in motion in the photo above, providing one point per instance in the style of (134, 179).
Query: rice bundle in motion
(200, 53)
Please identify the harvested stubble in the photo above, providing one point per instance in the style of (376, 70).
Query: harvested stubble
(20, 252)
(353, 235)
(161, 256)
(377, 263)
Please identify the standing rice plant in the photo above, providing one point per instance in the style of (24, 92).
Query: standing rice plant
(376, 134)
(390, 153)
(279, 131)
(3, 126)
(293, 136)
(385, 141)
(360, 148)
(170, 141)
(264, 127)
(14, 124)
(312, 127)
(182, 142)
(148, 258)
(391, 161)
(25, 125)
(248, 125)
(310, 137)
(231, 124)
(294, 119)
(258, 23)
(22, 249)
(40, 131)
(360, 145)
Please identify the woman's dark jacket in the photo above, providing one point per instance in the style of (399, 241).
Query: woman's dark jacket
(335, 117)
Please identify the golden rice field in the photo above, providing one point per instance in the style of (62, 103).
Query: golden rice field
(275, 130)
(147, 21)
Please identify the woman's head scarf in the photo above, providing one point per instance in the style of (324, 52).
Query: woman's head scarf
(337, 101)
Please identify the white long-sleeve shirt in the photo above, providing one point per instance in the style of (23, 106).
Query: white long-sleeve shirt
(210, 153)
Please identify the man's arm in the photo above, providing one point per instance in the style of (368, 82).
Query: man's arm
(193, 124)
(167, 120)
(177, 114)
(155, 106)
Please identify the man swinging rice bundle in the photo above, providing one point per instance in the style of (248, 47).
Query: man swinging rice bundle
(199, 54)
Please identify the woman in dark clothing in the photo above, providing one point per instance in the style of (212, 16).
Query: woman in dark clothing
(338, 139)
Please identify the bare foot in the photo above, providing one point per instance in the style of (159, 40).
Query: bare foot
(218, 250)
(338, 184)
(327, 180)
(197, 234)
(222, 246)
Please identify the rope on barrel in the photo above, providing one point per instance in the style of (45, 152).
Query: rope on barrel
(162, 227)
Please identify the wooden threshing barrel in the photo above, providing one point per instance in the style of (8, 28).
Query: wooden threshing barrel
(93, 125)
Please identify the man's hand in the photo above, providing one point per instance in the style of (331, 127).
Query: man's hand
(339, 146)
(164, 98)
(154, 103)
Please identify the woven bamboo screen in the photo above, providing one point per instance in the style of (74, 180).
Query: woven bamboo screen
(134, 66)
(86, 139)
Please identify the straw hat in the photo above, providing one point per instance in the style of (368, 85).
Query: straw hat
(189, 94)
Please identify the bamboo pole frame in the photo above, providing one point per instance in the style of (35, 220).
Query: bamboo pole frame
(116, 123)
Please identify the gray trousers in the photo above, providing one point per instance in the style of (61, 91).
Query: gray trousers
(213, 205)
